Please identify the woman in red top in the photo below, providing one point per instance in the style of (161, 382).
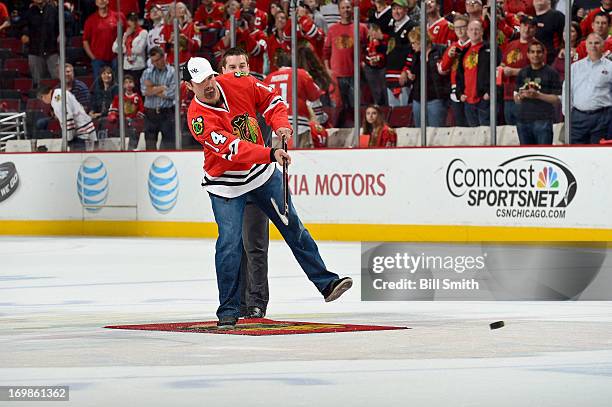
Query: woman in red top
(190, 39)
(374, 126)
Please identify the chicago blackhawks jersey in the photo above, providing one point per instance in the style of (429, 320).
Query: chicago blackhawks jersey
(78, 121)
(235, 159)
(307, 91)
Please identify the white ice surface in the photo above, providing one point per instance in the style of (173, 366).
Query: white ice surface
(56, 294)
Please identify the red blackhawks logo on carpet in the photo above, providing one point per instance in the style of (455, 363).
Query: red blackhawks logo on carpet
(256, 327)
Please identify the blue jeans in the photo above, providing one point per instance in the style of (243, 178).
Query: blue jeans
(590, 128)
(401, 100)
(459, 113)
(537, 132)
(477, 114)
(510, 112)
(436, 113)
(229, 215)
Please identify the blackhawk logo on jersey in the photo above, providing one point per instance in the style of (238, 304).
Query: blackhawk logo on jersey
(238, 74)
(245, 127)
(198, 125)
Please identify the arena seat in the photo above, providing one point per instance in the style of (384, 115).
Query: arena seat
(14, 44)
(401, 116)
(10, 105)
(18, 64)
(51, 144)
(23, 85)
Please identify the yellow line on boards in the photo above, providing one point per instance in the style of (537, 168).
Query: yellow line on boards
(337, 232)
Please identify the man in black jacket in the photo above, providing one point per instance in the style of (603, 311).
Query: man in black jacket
(40, 31)
(473, 77)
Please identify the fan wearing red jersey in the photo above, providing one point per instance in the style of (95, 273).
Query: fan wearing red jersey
(237, 168)
(307, 91)
(209, 15)
(133, 110)
(438, 27)
(190, 39)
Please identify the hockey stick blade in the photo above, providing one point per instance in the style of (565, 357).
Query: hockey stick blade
(282, 217)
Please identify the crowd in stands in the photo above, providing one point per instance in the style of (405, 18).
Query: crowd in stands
(529, 79)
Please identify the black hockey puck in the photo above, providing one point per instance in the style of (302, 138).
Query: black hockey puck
(496, 325)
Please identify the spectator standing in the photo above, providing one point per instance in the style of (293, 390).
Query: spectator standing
(338, 54)
(398, 49)
(439, 29)
(134, 48)
(513, 60)
(413, 11)
(536, 95)
(190, 39)
(5, 19)
(575, 35)
(154, 36)
(586, 25)
(473, 79)
(381, 16)
(99, 34)
(524, 7)
(40, 31)
(127, 6)
(159, 89)
(601, 26)
(375, 61)
(260, 21)
(307, 91)
(278, 38)
(591, 94)
(330, 11)
(318, 18)
(438, 86)
(550, 27)
(449, 64)
(209, 17)
(104, 90)
(379, 132)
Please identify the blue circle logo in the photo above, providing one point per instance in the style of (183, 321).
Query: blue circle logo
(163, 184)
(92, 184)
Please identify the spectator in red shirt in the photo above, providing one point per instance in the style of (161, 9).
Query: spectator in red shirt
(519, 6)
(601, 26)
(133, 110)
(261, 16)
(473, 78)
(308, 92)
(439, 29)
(5, 20)
(209, 16)
(99, 35)
(378, 131)
(190, 39)
(586, 24)
(338, 54)
(127, 6)
(450, 62)
(513, 60)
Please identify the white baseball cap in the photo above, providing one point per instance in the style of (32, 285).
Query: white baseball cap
(199, 69)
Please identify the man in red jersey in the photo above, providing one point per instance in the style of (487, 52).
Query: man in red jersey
(338, 54)
(307, 91)
(239, 168)
(438, 27)
(514, 59)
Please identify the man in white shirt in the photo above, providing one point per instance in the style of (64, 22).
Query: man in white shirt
(591, 94)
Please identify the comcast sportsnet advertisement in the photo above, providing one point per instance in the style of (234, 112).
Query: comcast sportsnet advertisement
(527, 186)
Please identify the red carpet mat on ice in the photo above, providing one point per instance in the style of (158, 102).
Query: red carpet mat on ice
(257, 327)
